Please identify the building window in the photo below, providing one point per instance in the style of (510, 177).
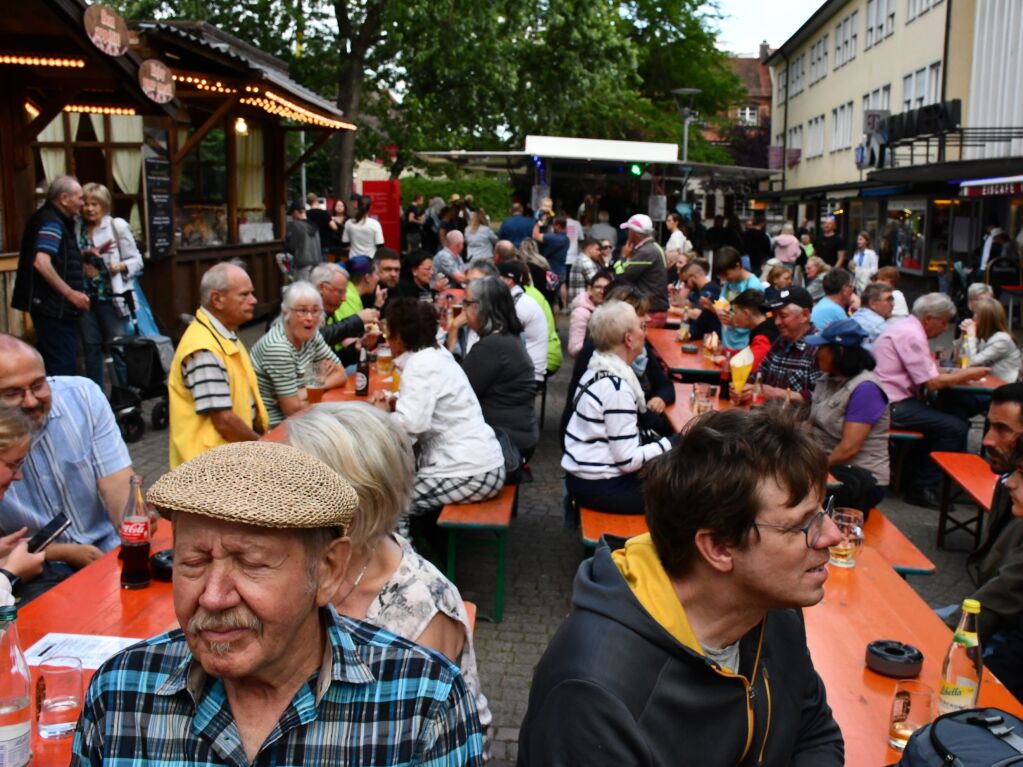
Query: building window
(879, 98)
(783, 80)
(819, 60)
(880, 21)
(916, 8)
(845, 39)
(815, 137)
(841, 127)
(797, 68)
(889, 18)
(922, 87)
(795, 146)
(747, 115)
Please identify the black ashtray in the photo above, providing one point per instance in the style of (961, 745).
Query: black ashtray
(894, 659)
(162, 563)
(690, 348)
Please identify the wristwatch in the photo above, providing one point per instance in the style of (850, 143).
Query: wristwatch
(14, 579)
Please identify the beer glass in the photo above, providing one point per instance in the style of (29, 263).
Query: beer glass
(912, 708)
(850, 525)
(315, 381)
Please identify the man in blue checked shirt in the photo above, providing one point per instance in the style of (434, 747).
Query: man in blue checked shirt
(265, 671)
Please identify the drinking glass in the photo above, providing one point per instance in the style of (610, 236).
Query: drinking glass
(850, 525)
(385, 361)
(59, 697)
(703, 398)
(912, 708)
(315, 381)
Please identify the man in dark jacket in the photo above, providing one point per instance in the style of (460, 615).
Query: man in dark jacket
(50, 280)
(645, 266)
(686, 645)
(997, 566)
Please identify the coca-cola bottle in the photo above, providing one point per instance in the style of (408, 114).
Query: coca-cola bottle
(135, 538)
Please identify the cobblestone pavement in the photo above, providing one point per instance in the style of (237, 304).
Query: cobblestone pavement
(543, 557)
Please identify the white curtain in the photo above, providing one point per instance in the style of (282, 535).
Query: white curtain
(54, 160)
(127, 163)
(97, 125)
(250, 175)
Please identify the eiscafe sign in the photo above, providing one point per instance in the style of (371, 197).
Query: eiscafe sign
(106, 29)
(990, 190)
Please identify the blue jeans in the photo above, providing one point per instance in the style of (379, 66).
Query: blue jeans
(57, 342)
(1003, 655)
(100, 325)
(942, 432)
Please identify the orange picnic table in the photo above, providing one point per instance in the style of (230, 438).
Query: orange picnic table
(863, 604)
(973, 474)
(92, 602)
(692, 365)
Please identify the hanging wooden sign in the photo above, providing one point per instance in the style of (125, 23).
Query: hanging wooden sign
(106, 29)
(156, 81)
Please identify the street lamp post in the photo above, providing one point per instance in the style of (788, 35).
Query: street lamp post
(687, 113)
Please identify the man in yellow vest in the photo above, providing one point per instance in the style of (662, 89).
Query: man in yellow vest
(214, 397)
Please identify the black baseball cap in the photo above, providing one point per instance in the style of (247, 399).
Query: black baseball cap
(295, 205)
(794, 295)
(513, 270)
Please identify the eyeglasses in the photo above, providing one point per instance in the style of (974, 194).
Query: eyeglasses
(16, 395)
(605, 247)
(811, 530)
(302, 312)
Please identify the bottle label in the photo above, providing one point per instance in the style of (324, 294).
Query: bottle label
(16, 744)
(958, 695)
(361, 381)
(135, 530)
(966, 638)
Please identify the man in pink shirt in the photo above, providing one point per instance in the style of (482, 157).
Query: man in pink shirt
(906, 369)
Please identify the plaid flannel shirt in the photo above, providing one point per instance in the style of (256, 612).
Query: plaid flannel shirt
(376, 700)
(792, 365)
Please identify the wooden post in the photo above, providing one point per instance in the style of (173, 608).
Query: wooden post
(232, 183)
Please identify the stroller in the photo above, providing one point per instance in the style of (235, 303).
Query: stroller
(147, 359)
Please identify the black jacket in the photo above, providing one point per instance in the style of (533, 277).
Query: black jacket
(32, 293)
(997, 569)
(614, 688)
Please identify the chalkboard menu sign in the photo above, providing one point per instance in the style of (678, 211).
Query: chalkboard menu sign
(159, 201)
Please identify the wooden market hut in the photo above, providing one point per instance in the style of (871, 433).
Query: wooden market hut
(201, 177)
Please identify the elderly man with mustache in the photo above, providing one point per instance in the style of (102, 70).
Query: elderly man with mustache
(265, 670)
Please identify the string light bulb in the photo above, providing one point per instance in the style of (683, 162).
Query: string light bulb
(241, 127)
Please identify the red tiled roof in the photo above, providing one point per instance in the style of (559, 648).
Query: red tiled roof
(755, 77)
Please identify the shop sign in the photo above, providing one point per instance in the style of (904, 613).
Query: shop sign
(990, 190)
(156, 176)
(156, 81)
(107, 30)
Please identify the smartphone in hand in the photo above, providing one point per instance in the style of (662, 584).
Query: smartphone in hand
(48, 534)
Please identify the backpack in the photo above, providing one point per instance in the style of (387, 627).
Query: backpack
(976, 737)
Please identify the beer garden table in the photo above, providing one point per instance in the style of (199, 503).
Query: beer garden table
(863, 604)
(692, 366)
(92, 602)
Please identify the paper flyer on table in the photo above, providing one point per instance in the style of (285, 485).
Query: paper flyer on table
(91, 649)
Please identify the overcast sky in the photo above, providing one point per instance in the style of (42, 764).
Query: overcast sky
(747, 22)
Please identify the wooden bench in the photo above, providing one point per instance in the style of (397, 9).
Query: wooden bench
(899, 441)
(493, 515)
(595, 523)
(881, 534)
(972, 474)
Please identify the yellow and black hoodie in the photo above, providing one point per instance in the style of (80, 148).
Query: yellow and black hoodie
(624, 682)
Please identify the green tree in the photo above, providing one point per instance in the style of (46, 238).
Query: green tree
(466, 74)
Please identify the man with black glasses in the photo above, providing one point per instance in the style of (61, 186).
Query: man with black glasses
(706, 608)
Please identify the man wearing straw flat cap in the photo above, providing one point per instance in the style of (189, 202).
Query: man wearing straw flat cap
(264, 670)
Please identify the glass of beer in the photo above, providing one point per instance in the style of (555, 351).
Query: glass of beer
(912, 708)
(850, 525)
(385, 361)
(315, 381)
(702, 400)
